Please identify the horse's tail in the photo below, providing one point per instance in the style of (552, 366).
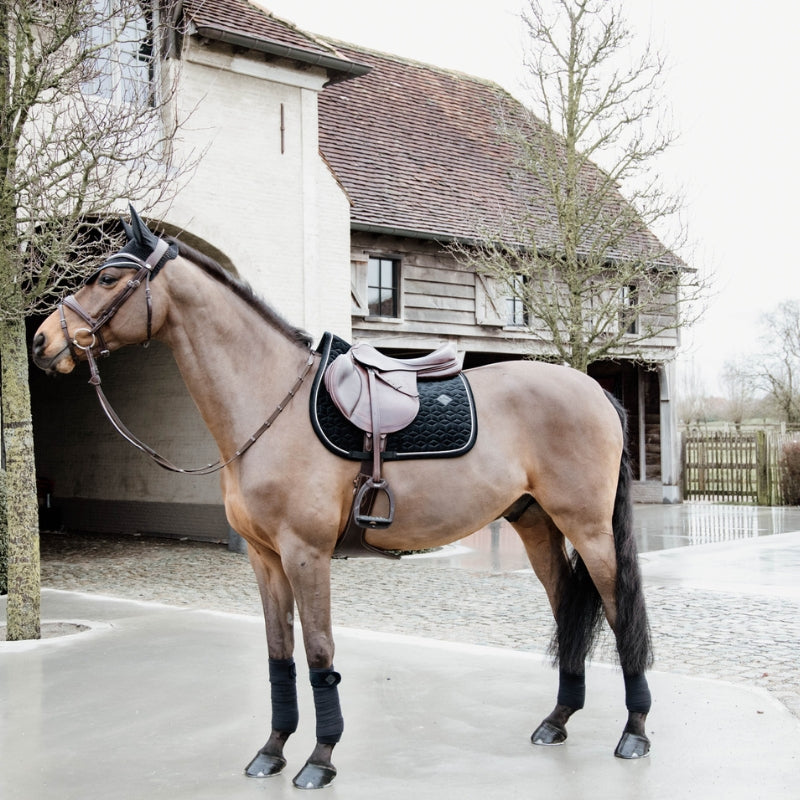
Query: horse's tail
(632, 630)
(578, 618)
(579, 615)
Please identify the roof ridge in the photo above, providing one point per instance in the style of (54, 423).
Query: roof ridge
(334, 42)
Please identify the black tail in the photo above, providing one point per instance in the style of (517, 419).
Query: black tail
(634, 643)
(579, 616)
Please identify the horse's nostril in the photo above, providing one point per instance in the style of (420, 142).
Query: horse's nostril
(39, 342)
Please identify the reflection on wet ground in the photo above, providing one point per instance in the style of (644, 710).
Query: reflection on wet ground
(666, 526)
(497, 548)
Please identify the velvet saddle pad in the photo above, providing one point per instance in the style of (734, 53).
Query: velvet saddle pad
(445, 427)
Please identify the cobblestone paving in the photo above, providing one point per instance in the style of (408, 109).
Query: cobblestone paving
(752, 640)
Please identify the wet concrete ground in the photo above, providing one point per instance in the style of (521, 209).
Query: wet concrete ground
(163, 703)
(444, 672)
(657, 528)
(661, 527)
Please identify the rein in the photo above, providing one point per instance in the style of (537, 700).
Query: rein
(144, 271)
(209, 468)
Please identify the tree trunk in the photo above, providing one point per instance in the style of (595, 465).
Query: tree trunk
(3, 536)
(24, 587)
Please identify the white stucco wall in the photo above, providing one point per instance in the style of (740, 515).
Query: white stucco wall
(264, 196)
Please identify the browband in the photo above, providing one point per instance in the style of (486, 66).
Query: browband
(163, 252)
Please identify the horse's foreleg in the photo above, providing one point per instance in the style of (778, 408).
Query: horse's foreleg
(278, 604)
(309, 574)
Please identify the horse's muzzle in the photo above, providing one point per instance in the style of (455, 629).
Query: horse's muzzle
(61, 361)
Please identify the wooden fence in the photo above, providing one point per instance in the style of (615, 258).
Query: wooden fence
(730, 467)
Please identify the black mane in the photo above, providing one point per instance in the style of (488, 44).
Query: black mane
(243, 290)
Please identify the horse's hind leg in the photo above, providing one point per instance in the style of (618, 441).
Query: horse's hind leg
(607, 555)
(575, 604)
(614, 570)
(278, 604)
(631, 626)
(603, 575)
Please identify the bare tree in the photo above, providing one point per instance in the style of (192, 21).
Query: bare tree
(693, 402)
(579, 262)
(779, 369)
(86, 121)
(739, 386)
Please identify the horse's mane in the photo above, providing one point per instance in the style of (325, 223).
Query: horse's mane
(243, 290)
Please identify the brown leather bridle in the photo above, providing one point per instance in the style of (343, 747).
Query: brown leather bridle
(96, 346)
(144, 270)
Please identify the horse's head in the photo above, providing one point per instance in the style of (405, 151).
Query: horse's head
(113, 308)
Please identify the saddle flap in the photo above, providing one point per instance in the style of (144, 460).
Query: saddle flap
(396, 400)
(346, 385)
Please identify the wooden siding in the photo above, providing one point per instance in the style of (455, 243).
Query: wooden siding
(440, 301)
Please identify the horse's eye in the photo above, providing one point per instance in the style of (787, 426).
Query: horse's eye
(107, 280)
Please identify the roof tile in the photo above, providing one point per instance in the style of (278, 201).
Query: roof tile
(419, 149)
(246, 19)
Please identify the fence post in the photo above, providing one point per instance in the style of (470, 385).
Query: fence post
(684, 481)
(763, 493)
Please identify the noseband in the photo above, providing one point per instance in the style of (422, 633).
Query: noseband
(95, 346)
(144, 271)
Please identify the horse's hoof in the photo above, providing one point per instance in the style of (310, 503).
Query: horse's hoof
(632, 745)
(265, 766)
(315, 776)
(548, 734)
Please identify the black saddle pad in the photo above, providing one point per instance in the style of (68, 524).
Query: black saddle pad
(445, 427)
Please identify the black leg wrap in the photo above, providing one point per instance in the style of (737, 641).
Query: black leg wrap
(571, 690)
(283, 687)
(637, 694)
(330, 725)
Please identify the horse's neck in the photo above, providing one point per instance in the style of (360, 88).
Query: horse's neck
(233, 361)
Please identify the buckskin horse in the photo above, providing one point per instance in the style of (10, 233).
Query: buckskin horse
(551, 458)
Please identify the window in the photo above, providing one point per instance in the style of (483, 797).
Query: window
(516, 313)
(628, 316)
(122, 68)
(383, 281)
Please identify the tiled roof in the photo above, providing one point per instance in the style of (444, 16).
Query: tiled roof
(241, 22)
(418, 150)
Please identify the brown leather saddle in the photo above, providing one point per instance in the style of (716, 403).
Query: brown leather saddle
(379, 395)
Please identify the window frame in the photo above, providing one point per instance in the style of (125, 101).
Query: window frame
(374, 311)
(516, 311)
(125, 74)
(629, 309)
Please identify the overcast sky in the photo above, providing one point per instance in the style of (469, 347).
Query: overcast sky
(732, 86)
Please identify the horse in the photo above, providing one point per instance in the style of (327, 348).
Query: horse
(551, 457)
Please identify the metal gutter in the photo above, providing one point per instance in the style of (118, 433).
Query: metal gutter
(389, 230)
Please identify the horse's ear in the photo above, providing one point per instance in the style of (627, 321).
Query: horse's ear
(141, 234)
(128, 230)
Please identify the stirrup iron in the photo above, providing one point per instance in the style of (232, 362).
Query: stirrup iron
(366, 520)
